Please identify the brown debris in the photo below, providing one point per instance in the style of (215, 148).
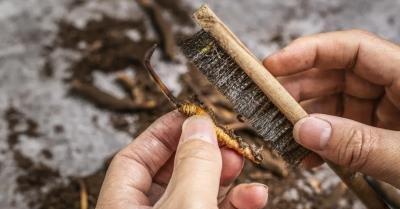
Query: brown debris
(14, 118)
(177, 9)
(131, 85)
(104, 45)
(35, 175)
(331, 200)
(127, 83)
(107, 100)
(274, 164)
(83, 195)
(238, 126)
(163, 28)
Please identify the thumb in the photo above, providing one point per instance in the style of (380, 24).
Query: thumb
(373, 151)
(197, 169)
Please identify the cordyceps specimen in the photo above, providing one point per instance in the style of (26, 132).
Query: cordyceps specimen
(225, 137)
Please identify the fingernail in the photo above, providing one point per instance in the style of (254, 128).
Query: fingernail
(262, 187)
(313, 133)
(199, 128)
(253, 188)
(253, 195)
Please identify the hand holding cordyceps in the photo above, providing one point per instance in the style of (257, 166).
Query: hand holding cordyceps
(355, 75)
(175, 166)
(351, 74)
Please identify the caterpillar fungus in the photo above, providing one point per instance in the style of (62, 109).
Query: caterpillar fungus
(226, 138)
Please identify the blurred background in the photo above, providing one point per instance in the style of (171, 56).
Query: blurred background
(73, 90)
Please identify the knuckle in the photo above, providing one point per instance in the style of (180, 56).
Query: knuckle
(302, 39)
(356, 146)
(119, 156)
(361, 32)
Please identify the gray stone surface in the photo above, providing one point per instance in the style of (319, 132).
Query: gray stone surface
(28, 26)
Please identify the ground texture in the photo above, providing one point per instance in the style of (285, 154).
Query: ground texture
(54, 138)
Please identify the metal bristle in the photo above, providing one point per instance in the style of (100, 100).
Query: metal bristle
(248, 100)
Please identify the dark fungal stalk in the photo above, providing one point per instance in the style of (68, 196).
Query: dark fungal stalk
(225, 137)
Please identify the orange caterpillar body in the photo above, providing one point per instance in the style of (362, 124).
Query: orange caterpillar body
(225, 138)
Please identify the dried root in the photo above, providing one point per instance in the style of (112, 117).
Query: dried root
(84, 202)
(162, 27)
(131, 86)
(103, 99)
(225, 137)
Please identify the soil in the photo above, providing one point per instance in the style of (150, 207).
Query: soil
(105, 46)
(67, 195)
(15, 119)
(37, 176)
(107, 49)
(180, 12)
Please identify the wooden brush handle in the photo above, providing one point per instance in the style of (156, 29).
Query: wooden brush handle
(271, 87)
(206, 18)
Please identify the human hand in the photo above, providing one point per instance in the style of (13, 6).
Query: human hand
(355, 75)
(145, 175)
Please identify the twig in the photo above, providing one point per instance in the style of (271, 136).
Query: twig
(238, 126)
(360, 187)
(389, 193)
(163, 28)
(84, 195)
(133, 89)
(127, 83)
(106, 100)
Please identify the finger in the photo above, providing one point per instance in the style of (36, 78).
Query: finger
(311, 161)
(371, 57)
(361, 88)
(232, 164)
(387, 115)
(330, 105)
(360, 110)
(164, 174)
(246, 196)
(196, 177)
(334, 50)
(370, 150)
(155, 192)
(130, 173)
(313, 83)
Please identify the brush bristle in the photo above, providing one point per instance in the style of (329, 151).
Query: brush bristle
(247, 99)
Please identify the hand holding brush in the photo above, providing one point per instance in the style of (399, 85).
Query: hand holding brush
(351, 74)
(257, 95)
